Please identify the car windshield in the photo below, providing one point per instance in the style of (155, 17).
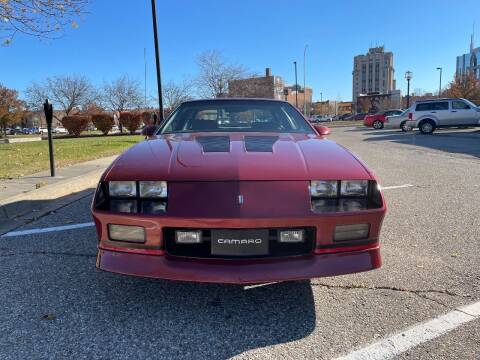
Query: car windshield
(470, 103)
(236, 116)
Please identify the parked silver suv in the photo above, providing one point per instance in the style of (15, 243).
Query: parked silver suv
(427, 115)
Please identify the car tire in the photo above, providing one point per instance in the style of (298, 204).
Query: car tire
(377, 125)
(427, 127)
(404, 127)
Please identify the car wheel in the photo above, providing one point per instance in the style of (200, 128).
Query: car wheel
(377, 124)
(404, 127)
(427, 127)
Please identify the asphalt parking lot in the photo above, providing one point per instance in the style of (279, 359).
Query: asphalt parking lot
(55, 304)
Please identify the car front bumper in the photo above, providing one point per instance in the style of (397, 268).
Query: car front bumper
(327, 258)
(236, 271)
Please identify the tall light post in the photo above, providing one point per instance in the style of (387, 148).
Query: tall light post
(408, 76)
(157, 61)
(296, 85)
(321, 102)
(440, 86)
(304, 80)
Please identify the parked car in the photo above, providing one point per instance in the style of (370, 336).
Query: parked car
(60, 130)
(360, 116)
(345, 117)
(28, 131)
(14, 131)
(427, 115)
(376, 120)
(397, 121)
(275, 196)
(320, 118)
(43, 130)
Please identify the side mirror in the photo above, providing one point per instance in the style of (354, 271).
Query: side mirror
(149, 130)
(322, 130)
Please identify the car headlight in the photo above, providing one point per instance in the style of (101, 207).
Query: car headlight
(153, 189)
(122, 188)
(354, 188)
(323, 188)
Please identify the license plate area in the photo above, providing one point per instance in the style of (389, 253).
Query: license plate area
(240, 242)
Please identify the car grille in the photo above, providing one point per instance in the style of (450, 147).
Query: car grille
(203, 250)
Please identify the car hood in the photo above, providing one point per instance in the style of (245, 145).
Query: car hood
(237, 156)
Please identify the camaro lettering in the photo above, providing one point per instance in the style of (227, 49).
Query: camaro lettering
(239, 241)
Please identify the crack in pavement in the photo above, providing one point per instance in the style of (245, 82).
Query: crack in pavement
(417, 292)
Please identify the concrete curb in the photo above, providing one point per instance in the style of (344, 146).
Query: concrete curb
(17, 210)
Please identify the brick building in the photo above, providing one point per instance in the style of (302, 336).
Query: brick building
(268, 86)
(304, 95)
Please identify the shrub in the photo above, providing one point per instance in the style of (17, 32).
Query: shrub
(131, 121)
(147, 118)
(103, 122)
(75, 124)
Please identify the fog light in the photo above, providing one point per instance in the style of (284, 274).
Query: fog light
(188, 237)
(123, 206)
(291, 236)
(126, 233)
(351, 232)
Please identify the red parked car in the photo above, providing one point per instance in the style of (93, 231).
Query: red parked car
(238, 191)
(376, 120)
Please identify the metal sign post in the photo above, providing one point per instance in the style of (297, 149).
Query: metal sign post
(48, 109)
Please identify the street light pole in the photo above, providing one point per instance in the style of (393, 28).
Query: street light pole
(440, 86)
(321, 102)
(296, 85)
(157, 61)
(304, 80)
(408, 76)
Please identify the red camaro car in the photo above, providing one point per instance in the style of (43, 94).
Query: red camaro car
(376, 120)
(238, 191)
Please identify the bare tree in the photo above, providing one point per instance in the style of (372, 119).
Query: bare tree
(215, 73)
(67, 92)
(11, 107)
(174, 94)
(39, 18)
(122, 94)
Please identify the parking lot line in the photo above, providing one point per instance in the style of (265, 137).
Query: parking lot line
(48, 229)
(396, 187)
(416, 335)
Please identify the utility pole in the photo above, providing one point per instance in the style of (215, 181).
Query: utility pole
(145, 74)
(304, 81)
(157, 61)
(296, 85)
(440, 86)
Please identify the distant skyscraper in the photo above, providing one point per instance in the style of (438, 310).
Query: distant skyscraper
(373, 72)
(469, 62)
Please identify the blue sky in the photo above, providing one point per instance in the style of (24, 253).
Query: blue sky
(110, 41)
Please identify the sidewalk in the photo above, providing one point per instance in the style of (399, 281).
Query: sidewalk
(27, 198)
